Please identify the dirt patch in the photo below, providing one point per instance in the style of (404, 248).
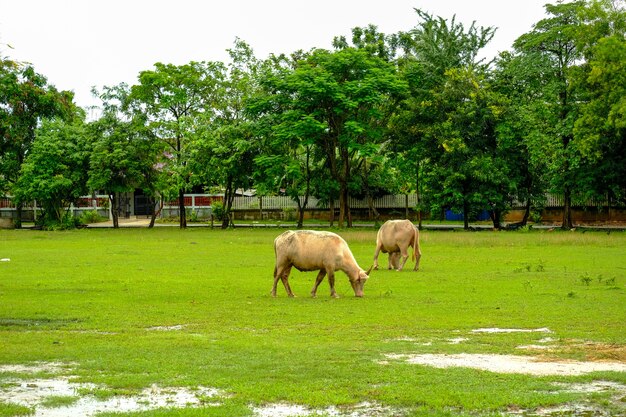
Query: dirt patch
(33, 393)
(36, 367)
(167, 328)
(508, 364)
(365, 409)
(615, 390)
(499, 330)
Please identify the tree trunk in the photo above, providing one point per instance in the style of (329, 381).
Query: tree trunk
(331, 213)
(155, 213)
(496, 218)
(372, 213)
(18, 212)
(465, 215)
(343, 192)
(406, 206)
(301, 207)
(567, 209)
(229, 195)
(114, 200)
(524, 221)
(182, 216)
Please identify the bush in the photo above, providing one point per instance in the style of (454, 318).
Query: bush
(91, 216)
(67, 222)
(217, 208)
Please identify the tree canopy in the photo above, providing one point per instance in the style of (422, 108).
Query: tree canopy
(418, 111)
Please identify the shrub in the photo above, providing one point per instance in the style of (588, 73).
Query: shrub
(217, 208)
(91, 216)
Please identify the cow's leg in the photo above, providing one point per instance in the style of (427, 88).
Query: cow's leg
(418, 254)
(376, 257)
(284, 277)
(276, 278)
(318, 281)
(405, 256)
(331, 281)
(393, 260)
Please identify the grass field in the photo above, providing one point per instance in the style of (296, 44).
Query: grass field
(126, 310)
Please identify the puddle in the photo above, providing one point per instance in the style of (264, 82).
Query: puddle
(33, 393)
(508, 364)
(51, 367)
(595, 386)
(582, 409)
(499, 330)
(167, 328)
(365, 409)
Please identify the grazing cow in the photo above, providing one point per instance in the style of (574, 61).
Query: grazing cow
(309, 250)
(395, 237)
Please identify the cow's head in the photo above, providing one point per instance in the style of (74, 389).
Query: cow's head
(359, 282)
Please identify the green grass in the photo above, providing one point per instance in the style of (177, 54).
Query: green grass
(92, 298)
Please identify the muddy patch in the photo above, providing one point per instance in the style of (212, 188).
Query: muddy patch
(499, 330)
(507, 364)
(36, 367)
(174, 328)
(37, 393)
(615, 391)
(365, 409)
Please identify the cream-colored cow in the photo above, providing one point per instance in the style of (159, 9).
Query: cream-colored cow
(309, 250)
(394, 237)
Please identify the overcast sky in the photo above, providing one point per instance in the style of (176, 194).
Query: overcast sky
(78, 44)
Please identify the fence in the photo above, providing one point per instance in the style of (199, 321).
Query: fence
(201, 204)
(100, 203)
(284, 202)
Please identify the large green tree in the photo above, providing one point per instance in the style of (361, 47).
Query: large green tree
(124, 155)
(554, 41)
(26, 99)
(226, 141)
(173, 99)
(600, 131)
(442, 125)
(54, 172)
(334, 100)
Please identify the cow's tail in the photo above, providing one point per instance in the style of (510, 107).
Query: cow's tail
(415, 243)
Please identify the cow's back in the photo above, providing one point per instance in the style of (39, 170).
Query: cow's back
(308, 250)
(394, 234)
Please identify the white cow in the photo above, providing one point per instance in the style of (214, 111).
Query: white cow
(395, 237)
(309, 250)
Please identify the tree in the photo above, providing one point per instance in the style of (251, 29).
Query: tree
(288, 158)
(172, 98)
(25, 100)
(600, 131)
(226, 143)
(554, 39)
(527, 126)
(444, 122)
(55, 170)
(124, 157)
(334, 98)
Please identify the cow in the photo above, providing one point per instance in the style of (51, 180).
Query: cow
(309, 250)
(395, 237)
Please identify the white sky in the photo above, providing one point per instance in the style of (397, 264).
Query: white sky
(78, 44)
